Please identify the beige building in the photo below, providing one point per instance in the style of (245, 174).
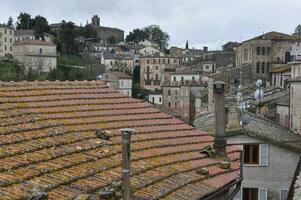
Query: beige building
(7, 40)
(119, 81)
(295, 104)
(264, 53)
(22, 35)
(152, 68)
(37, 54)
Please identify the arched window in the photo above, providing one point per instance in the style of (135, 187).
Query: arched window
(258, 51)
(268, 67)
(268, 50)
(287, 56)
(263, 51)
(257, 67)
(262, 67)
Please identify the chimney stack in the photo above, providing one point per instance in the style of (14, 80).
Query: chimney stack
(219, 109)
(126, 161)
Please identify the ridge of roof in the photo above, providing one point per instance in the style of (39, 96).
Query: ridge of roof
(49, 144)
(34, 42)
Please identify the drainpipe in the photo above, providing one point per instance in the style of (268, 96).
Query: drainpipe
(219, 109)
(126, 159)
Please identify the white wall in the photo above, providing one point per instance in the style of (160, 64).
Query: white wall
(155, 99)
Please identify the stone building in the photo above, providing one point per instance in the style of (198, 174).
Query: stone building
(280, 76)
(117, 61)
(295, 106)
(268, 163)
(22, 35)
(152, 69)
(37, 54)
(264, 53)
(7, 40)
(119, 81)
(105, 33)
(185, 99)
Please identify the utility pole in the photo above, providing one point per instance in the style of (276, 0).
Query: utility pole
(126, 159)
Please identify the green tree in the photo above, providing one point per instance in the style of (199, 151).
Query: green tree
(40, 27)
(25, 22)
(67, 43)
(10, 22)
(136, 35)
(156, 34)
(87, 31)
(112, 40)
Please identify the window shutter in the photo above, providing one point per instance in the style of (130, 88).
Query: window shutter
(263, 194)
(238, 195)
(264, 155)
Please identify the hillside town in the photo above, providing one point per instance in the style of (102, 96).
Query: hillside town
(90, 112)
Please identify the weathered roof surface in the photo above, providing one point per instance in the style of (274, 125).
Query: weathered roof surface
(34, 42)
(120, 75)
(268, 130)
(48, 143)
(280, 69)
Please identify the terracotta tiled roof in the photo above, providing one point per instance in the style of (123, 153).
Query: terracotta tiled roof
(120, 75)
(48, 144)
(34, 42)
(280, 69)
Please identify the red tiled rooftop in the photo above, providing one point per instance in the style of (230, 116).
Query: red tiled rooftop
(48, 143)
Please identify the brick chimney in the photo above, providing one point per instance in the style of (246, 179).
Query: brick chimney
(219, 110)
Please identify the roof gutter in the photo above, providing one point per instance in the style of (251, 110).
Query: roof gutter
(227, 187)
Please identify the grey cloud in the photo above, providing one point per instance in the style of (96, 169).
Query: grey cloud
(202, 22)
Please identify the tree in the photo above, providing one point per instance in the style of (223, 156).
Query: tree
(67, 35)
(112, 40)
(155, 33)
(136, 35)
(25, 22)
(87, 31)
(187, 46)
(40, 27)
(10, 22)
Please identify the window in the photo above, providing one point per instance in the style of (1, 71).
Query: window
(251, 154)
(281, 80)
(5, 48)
(159, 61)
(175, 104)
(4, 31)
(168, 92)
(11, 40)
(153, 99)
(268, 67)
(41, 50)
(5, 40)
(157, 67)
(169, 104)
(268, 51)
(262, 67)
(287, 56)
(283, 194)
(154, 61)
(258, 51)
(263, 51)
(182, 78)
(193, 78)
(245, 54)
(147, 69)
(257, 67)
(10, 48)
(147, 61)
(168, 61)
(160, 99)
(250, 194)
(156, 77)
(174, 78)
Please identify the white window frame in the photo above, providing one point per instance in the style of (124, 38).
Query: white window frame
(264, 155)
(263, 190)
(280, 193)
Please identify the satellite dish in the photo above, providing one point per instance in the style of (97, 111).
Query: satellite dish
(259, 83)
(246, 119)
(258, 94)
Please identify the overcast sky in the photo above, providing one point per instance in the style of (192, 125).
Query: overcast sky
(202, 22)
